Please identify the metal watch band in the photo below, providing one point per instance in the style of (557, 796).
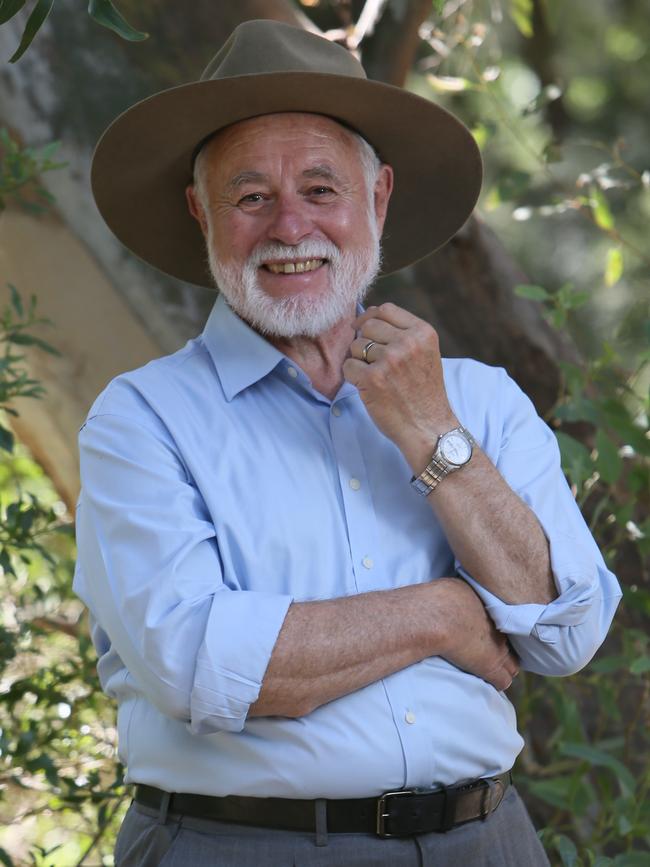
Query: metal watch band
(436, 470)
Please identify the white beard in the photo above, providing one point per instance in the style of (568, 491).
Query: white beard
(302, 314)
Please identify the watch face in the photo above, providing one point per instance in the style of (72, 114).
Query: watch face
(455, 448)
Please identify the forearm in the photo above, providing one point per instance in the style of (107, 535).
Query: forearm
(492, 532)
(333, 647)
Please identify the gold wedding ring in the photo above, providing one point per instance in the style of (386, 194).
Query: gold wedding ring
(366, 349)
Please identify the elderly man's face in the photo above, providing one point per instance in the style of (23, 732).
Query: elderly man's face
(292, 229)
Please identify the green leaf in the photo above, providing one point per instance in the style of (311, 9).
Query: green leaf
(532, 292)
(34, 24)
(595, 756)
(567, 850)
(600, 208)
(449, 83)
(640, 665)
(8, 8)
(554, 791)
(631, 859)
(30, 340)
(16, 300)
(609, 463)
(5, 858)
(521, 12)
(6, 439)
(613, 266)
(576, 460)
(107, 15)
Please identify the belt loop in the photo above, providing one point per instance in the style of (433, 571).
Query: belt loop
(164, 807)
(486, 799)
(320, 814)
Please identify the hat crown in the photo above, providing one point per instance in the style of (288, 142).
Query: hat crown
(263, 47)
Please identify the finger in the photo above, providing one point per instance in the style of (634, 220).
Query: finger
(380, 330)
(390, 313)
(359, 344)
(354, 370)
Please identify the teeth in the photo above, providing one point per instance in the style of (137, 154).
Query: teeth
(294, 267)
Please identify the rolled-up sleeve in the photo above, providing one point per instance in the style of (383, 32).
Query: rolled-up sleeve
(149, 570)
(561, 637)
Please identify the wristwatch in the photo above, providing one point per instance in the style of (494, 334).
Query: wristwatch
(453, 451)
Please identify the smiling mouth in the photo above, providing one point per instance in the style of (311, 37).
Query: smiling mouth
(294, 267)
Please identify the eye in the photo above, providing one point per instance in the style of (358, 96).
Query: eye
(251, 199)
(321, 192)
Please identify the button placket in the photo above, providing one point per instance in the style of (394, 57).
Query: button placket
(359, 510)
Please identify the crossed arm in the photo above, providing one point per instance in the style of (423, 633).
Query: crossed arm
(328, 649)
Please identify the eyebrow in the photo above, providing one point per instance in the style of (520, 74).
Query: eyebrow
(321, 171)
(245, 178)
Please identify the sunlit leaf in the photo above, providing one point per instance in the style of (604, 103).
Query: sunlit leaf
(449, 83)
(602, 214)
(105, 13)
(532, 292)
(521, 12)
(614, 266)
(34, 24)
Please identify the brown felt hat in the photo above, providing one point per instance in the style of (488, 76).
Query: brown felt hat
(143, 162)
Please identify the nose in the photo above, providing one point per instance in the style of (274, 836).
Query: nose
(290, 222)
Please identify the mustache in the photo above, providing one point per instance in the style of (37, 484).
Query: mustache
(307, 249)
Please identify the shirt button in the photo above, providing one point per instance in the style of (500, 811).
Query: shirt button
(409, 717)
(293, 373)
(355, 484)
(336, 410)
(367, 562)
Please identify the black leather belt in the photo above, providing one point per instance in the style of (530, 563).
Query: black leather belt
(393, 814)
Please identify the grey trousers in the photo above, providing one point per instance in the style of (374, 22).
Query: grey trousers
(505, 839)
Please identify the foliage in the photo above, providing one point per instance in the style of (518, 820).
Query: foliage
(57, 739)
(103, 12)
(585, 769)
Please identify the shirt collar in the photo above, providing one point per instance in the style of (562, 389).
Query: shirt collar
(242, 356)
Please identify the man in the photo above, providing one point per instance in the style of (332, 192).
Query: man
(314, 553)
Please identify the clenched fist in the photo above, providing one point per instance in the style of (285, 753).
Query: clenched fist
(400, 380)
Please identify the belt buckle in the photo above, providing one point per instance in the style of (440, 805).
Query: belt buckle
(382, 815)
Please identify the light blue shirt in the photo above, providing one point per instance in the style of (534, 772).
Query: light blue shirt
(217, 487)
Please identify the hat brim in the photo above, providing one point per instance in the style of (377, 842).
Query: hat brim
(142, 163)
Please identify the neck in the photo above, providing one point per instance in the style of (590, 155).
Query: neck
(321, 357)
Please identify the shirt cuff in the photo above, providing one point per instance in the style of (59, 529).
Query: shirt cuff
(543, 621)
(242, 629)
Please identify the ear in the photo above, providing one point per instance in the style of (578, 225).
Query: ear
(383, 190)
(196, 208)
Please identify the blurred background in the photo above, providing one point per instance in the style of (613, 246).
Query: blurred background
(549, 280)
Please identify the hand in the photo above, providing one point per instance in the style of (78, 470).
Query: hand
(471, 640)
(401, 383)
